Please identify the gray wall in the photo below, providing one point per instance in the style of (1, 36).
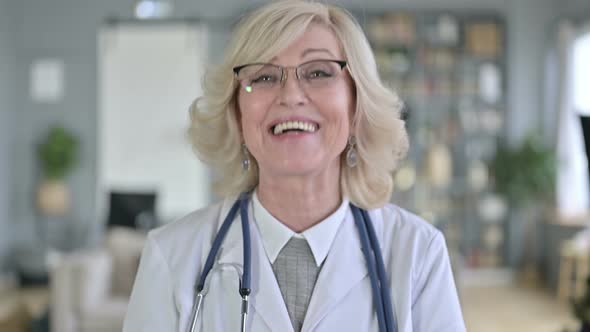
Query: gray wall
(528, 26)
(7, 121)
(67, 29)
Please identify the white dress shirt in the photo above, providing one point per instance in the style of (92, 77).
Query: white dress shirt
(275, 234)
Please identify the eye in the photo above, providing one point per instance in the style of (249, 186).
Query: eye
(265, 79)
(318, 74)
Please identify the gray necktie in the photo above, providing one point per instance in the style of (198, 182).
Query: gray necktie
(296, 272)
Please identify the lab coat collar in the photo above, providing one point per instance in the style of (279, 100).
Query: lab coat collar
(275, 234)
(342, 270)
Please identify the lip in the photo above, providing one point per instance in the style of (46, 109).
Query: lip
(292, 118)
(293, 136)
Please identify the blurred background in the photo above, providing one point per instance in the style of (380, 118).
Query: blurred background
(94, 100)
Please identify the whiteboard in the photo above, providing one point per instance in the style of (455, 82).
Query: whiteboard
(149, 75)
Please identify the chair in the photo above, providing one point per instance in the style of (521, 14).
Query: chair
(574, 266)
(90, 289)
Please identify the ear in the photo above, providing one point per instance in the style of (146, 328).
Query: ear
(352, 104)
(238, 114)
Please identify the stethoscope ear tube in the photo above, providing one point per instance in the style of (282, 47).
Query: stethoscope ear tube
(217, 244)
(246, 275)
(209, 264)
(195, 312)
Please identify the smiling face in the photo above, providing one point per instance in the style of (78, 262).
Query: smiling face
(301, 127)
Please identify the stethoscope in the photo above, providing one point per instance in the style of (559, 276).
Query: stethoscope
(370, 248)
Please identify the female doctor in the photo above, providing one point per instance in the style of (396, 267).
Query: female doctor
(305, 137)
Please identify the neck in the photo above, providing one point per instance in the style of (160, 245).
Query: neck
(300, 203)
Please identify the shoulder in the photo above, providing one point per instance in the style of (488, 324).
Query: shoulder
(398, 223)
(408, 241)
(187, 234)
(195, 221)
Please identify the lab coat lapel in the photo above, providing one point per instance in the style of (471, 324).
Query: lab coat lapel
(266, 297)
(342, 270)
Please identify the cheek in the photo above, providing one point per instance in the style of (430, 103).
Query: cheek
(251, 115)
(342, 109)
(345, 110)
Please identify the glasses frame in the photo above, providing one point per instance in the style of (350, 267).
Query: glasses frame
(285, 69)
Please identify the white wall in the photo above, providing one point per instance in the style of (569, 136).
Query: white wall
(149, 75)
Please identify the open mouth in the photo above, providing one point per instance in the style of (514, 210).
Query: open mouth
(293, 126)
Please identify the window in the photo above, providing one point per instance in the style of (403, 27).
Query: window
(573, 190)
(581, 75)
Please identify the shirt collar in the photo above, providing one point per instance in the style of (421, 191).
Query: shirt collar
(275, 234)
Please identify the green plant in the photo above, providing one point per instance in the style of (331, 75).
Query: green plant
(58, 153)
(525, 173)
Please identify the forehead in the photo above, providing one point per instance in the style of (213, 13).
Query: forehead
(318, 41)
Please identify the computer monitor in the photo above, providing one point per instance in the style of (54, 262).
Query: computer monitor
(132, 209)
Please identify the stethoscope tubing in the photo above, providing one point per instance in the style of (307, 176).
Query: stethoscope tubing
(370, 247)
(209, 263)
(382, 274)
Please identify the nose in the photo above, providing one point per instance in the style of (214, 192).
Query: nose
(291, 91)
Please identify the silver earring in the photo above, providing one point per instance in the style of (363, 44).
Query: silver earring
(351, 157)
(246, 158)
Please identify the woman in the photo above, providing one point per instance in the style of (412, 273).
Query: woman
(297, 118)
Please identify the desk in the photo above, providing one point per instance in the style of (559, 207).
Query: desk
(554, 235)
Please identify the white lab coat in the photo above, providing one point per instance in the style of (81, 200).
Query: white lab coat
(414, 252)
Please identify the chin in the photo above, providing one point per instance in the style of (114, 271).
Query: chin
(299, 167)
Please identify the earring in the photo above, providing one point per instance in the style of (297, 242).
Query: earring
(351, 157)
(246, 158)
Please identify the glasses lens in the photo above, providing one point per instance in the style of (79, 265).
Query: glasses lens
(319, 73)
(259, 77)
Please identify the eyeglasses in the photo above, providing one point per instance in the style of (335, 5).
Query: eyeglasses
(266, 78)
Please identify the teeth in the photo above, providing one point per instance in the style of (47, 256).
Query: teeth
(280, 128)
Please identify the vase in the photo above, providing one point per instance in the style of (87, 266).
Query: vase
(53, 198)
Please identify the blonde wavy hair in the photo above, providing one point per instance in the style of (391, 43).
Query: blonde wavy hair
(381, 137)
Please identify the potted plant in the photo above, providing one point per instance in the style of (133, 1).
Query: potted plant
(526, 173)
(525, 176)
(57, 155)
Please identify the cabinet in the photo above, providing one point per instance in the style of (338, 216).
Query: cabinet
(449, 69)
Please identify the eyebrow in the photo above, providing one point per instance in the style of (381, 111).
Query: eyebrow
(311, 50)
